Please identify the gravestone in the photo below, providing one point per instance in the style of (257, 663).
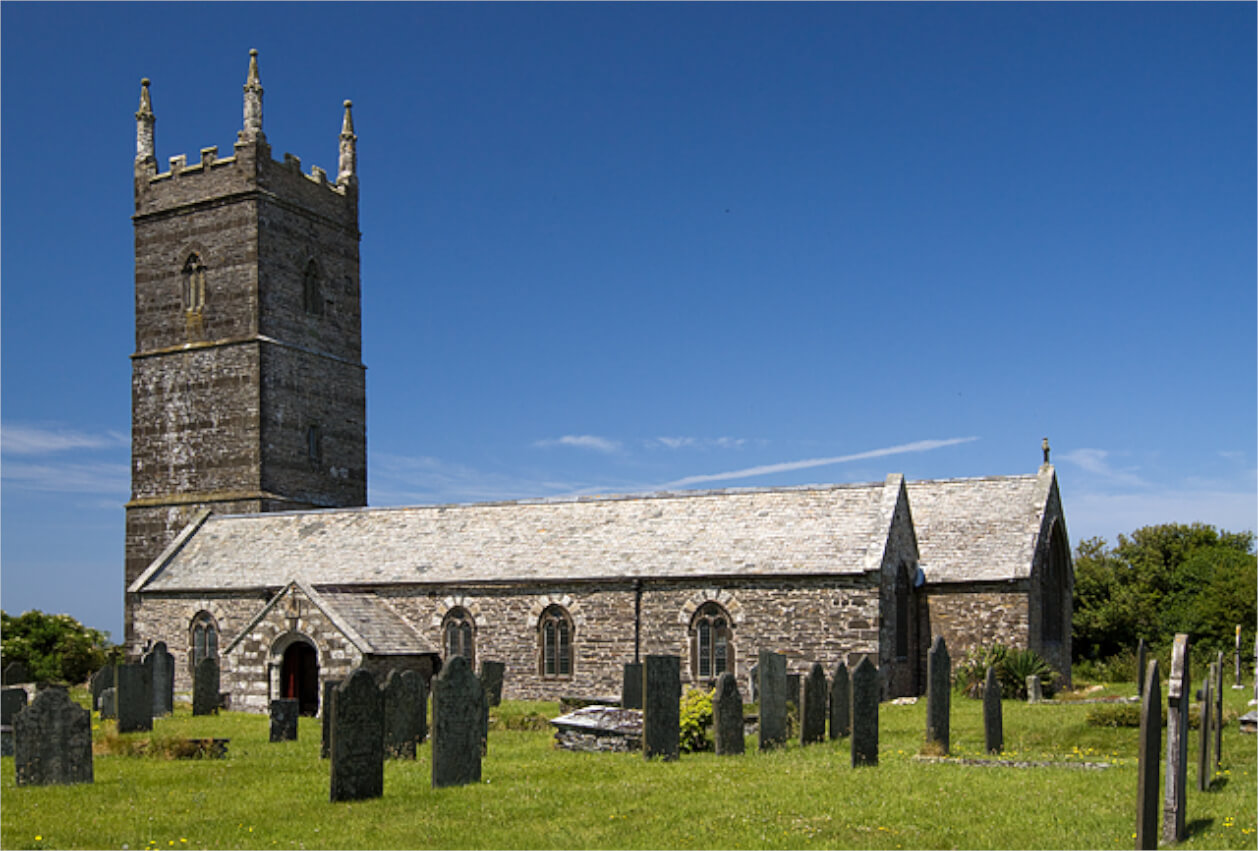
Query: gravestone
(631, 686)
(109, 703)
(325, 710)
(1142, 651)
(16, 672)
(1218, 711)
(357, 752)
(12, 702)
(1034, 689)
(812, 711)
(1205, 731)
(993, 723)
(753, 681)
(793, 685)
(403, 693)
(135, 698)
(161, 665)
(205, 687)
(1237, 660)
(938, 696)
(1150, 759)
(457, 700)
(284, 711)
(772, 670)
(840, 703)
(101, 680)
(491, 676)
(661, 707)
(864, 713)
(1178, 695)
(727, 716)
(52, 741)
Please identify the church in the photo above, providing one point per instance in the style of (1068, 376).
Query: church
(248, 537)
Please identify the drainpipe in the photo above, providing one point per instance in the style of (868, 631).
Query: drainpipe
(637, 619)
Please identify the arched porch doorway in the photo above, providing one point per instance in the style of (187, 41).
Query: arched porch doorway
(299, 676)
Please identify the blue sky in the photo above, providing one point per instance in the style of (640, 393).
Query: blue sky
(618, 247)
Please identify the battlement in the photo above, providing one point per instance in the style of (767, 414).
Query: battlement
(210, 161)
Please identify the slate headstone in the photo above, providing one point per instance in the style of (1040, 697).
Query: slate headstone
(938, 695)
(864, 713)
(1034, 689)
(12, 701)
(357, 752)
(993, 722)
(1178, 696)
(16, 672)
(772, 688)
(403, 693)
(457, 701)
(284, 712)
(491, 677)
(101, 680)
(1218, 711)
(52, 741)
(793, 684)
(727, 716)
(812, 711)
(109, 703)
(161, 665)
(753, 681)
(1205, 731)
(1142, 651)
(631, 686)
(325, 710)
(135, 698)
(205, 683)
(840, 703)
(1150, 759)
(661, 707)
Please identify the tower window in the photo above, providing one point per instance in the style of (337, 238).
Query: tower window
(311, 292)
(314, 444)
(193, 284)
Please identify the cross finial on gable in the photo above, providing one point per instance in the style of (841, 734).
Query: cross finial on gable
(1045, 447)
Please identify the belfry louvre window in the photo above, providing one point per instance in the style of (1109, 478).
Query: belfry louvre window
(711, 642)
(193, 284)
(311, 292)
(314, 444)
(555, 630)
(458, 635)
(204, 638)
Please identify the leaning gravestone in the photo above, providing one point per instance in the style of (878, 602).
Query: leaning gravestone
(938, 696)
(1177, 697)
(329, 689)
(727, 716)
(12, 702)
(16, 672)
(491, 677)
(1142, 651)
(205, 683)
(457, 699)
(53, 741)
(101, 680)
(284, 712)
(993, 722)
(109, 703)
(812, 711)
(358, 739)
(161, 665)
(135, 698)
(661, 707)
(864, 713)
(772, 669)
(840, 703)
(631, 686)
(1150, 759)
(403, 693)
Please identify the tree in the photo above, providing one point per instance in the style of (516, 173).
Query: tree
(55, 648)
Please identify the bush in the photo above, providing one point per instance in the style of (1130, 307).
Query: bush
(696, 718)
(1128, 715)
(55, 648)
(1012, 669)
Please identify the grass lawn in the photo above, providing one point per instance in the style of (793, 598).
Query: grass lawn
(534, 796)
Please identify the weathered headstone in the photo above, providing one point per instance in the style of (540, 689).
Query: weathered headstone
(864, 713)
(753, 681)
(14, 673)
(357, 752)
(491, 677)
(1150, 759)
(1142, 651)
(1178, 696)
(135, 698)
(727, 716)
(161, 665)
(661, 707)
(1034, 689)
(631, 686)
(793, 685)
(938, 696)
(840, 703)
(1218, 711)
(109, 703)
(457, 699)
(1205, 731)
(325, 711)
(772, 669)
(403, 693)
(993, 722)
(284, 711)
(12, 702)
(52, 741)
(101, 680)
(1237, 683)
(812, 710)
(205, 683)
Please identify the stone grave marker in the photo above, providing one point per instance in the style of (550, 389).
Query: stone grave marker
(135, 698)
(793, 685)
(357, 751)
(840, 702)
(1142, 651)
(325, 711)
(772, 688)
(1205, 730)
(661, 707)
(16, 672)
(101, 680)
(993, 722)
(864, 713)
(727, 716)
(161, 665)
(1034, 689)
(753, 680)
(403, 693)
(938, 696)
(1237, 660)
(1178, 696)
(1150, 759)
(12, 702)
(812, 711)
(1218, 712)
(109, 703)
(491, 677)
(284, 711)
(205, 683)
(631, 686)
(52, 741)
(457, 700)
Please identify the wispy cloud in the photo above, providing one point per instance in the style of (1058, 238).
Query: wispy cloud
(1096, 462)
(416, 480)
(788, 466)
(583, 441)
(42, 440)
(67, 478)
(698, 442)
(1092, 514)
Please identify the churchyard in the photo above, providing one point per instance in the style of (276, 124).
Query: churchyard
(266, 794)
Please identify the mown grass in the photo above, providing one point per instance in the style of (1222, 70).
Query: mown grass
(534, 796)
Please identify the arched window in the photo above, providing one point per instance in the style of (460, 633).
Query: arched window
(203, 636)
(554, 630)
(458, 635)
(711, 642)
(905, 611)
(1053, 587)
(193, 284)
(311, 292)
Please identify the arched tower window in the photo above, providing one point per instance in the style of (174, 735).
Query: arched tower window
(458, 635)
(554, 630)
(202, 638)
(314, 444)
(711, 642)
(311, 292)
(193, 284)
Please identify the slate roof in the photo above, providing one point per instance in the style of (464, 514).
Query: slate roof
(377, 623)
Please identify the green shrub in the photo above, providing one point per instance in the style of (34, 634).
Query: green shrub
(1012, 669)
(972, 671)
(1128, 715)
(55, 648)
(696, 718)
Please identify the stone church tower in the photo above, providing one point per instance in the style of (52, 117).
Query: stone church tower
(248, 391)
